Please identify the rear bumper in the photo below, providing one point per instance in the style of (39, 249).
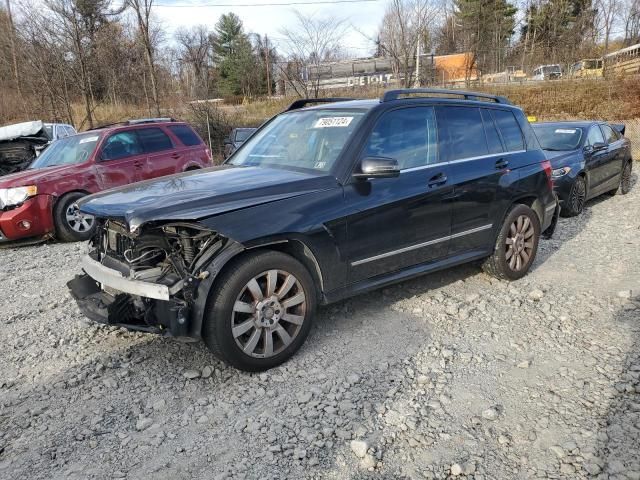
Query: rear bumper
(31, 219)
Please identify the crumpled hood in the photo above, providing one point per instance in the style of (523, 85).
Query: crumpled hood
(203, 193)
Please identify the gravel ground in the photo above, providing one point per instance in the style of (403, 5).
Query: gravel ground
(451, 375)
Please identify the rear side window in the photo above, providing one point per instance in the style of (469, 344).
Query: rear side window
(154, 140)
(509, 129)
(609, 134)
(461, 132)
(407, 135)
(493, 138)
(185, 134)
(121, 145)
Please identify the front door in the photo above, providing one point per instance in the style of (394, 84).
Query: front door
(121, 160)
(402, 221)
(595, 159)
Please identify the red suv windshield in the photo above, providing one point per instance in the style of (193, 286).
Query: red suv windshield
(68, 151)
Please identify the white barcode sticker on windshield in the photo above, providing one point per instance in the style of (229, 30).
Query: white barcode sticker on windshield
(565, 130)
(333, 122)
(89, 139)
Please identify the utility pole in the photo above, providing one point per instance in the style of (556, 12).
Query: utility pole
(12, 39)
(266, 61)
(417, 84)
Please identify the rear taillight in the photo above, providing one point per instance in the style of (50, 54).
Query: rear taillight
(546, 165)
(208, 153)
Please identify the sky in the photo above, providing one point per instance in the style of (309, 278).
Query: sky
(270, 20)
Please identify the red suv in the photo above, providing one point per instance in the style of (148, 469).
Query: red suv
(40, 201)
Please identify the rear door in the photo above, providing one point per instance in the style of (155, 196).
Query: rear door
(402, 221)
(163, 157)
(480, 144)
(192, 143)
(121, 159)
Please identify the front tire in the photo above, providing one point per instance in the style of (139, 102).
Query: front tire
(71, 225)
(260, 311)
(516, 246)
(575, 203)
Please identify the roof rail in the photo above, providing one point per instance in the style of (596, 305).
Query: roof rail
(395, 94)
(137, 121)
(303, 102)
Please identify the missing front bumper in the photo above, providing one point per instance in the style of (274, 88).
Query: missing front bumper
(158, 316)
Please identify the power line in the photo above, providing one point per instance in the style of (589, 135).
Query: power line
(275, 4)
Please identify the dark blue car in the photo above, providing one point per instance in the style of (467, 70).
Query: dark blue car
(321, 203)
(588, 159)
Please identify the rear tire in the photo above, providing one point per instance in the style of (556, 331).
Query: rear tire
(516, 245)
(575, 203)
(260, 311)
(70, 224)
(625, 180)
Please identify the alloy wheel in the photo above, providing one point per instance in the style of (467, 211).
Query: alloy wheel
(78, 221)
(519, 243)
(578, 195)
(268, 313)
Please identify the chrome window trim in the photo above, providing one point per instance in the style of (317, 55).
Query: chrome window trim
(420, 245)
(461, 160)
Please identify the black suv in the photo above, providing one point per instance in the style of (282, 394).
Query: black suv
(321, 203)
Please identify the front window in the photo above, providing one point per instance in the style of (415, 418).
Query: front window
(306, 139)
(67, 151)
(558, 138)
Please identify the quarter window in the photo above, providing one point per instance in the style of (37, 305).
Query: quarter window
(154, 140)
(121, 145)
(509, 129)
(408, 135)
(594, 136)
(185, 134)
(461, 132)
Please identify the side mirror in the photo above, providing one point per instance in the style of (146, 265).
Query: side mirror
(599, 146)
(378, 167)
(227, 141)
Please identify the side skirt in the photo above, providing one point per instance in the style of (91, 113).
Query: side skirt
(414, 271)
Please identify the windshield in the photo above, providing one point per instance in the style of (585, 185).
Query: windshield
(243, 133)
(67, 151)
(558, 138)
(551, 69)
(309, 140)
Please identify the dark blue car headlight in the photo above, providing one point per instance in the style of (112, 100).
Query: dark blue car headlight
(560, 172)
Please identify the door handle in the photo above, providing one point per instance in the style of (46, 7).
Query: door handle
(175, 156)
(137, 164)
(501, 164)
(438, 179)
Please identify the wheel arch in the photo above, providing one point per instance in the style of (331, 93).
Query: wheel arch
(235, 251)
(59, 196)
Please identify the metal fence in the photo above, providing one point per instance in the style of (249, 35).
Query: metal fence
(632, 132)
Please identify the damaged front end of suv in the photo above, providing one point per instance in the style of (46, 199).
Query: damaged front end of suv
(147, 280)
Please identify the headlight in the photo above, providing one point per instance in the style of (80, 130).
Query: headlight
(560, 172)
(10, 197)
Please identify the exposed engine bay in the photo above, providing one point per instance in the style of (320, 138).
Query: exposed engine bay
(171, 257)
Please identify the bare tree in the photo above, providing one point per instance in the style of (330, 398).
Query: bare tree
(630, 14)
(194, 46)
(142, 9)
(404, 23)
(607, 12)
(311, 44)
